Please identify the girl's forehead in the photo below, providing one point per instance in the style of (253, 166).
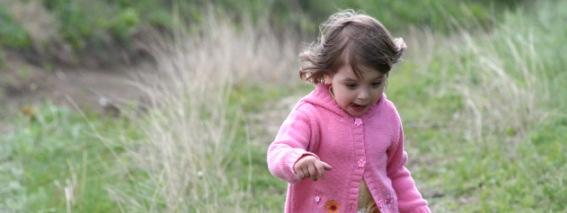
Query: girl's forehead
(346, 72)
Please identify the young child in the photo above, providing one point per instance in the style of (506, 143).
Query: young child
(342, 146)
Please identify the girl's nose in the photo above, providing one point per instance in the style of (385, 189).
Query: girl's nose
(363, 94)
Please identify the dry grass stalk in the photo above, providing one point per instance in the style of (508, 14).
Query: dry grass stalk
(187, 132)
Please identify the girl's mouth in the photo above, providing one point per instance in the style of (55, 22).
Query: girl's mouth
(358, 108)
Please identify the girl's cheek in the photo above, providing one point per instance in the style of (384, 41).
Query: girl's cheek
(342, 102)
(377, 95)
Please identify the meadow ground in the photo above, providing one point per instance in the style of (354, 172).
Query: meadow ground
(483, 114)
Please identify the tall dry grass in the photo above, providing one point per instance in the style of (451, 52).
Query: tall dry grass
(500, 77)
(502, 84)
(187, 131)
(501, 89)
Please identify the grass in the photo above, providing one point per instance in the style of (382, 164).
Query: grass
(12, 34)
(80, 23)
(196, 150)
(60, 149)
(485, 119)
(482, 113)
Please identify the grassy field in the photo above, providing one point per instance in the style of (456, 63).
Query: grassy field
(72, 31)
(483, 113)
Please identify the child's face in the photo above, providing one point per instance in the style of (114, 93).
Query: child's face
(356, 95)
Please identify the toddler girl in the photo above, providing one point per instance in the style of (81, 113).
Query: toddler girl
(342, 146)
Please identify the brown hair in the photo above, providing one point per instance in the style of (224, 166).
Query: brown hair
(348, 37)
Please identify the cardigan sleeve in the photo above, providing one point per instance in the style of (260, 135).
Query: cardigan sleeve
(290, 144)
(409, 198)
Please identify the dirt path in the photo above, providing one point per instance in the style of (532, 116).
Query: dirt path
(23, 84)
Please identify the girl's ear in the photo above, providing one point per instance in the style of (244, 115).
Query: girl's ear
(327, 79)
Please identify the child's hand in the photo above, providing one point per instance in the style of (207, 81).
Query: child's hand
(310, 166)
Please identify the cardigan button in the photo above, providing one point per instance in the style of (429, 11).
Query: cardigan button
(357, 121)
(317, 199)
(361, 162)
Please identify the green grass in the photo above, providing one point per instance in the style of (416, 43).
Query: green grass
(82, 22)
(12, 34)
(248, 158)
(95, 28)
(515, 168)
(54, 149)
(441, 15)
(509, 167)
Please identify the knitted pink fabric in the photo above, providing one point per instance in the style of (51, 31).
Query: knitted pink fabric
(369, 147)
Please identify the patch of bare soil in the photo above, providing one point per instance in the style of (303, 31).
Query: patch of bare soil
(99, 90)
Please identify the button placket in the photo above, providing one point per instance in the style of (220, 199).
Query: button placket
(359, 151)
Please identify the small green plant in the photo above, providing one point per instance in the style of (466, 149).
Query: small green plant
(2, 60)
(124, 23)
(11, 33)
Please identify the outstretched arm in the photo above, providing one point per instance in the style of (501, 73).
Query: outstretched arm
(409, 198)
(290, 144)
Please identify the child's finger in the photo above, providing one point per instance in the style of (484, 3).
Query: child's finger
(300, 174)
(312, 171)
(326, 166)
(320, 170)
(306, 172)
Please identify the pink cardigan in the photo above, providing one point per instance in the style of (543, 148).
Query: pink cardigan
(369, 147)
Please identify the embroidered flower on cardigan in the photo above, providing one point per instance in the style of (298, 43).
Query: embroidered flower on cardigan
(332, 206)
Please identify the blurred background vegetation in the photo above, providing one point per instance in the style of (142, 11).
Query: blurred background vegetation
(91, 27)
(480, 91)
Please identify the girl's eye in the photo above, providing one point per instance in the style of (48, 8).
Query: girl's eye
(376, 84)
(350, 86)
